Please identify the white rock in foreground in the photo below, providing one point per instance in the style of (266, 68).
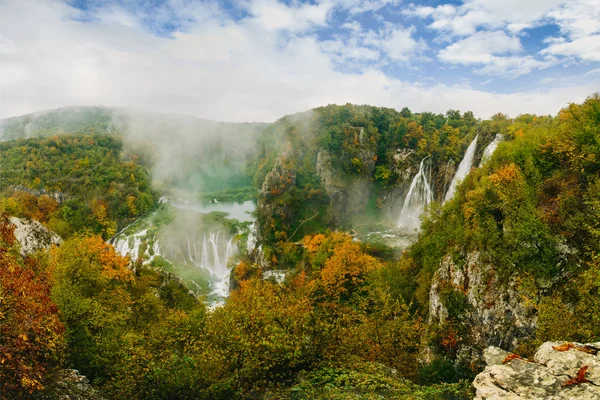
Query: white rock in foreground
(542, 378)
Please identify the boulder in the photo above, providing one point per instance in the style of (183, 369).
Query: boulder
(543, 377)
(33, 236)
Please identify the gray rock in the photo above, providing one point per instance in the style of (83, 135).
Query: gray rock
(542, 378)
(70, 385)
(499, 313)
(33, 236)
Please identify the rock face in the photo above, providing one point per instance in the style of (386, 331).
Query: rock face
(59, 197)
(495, 313)
(279, 180)
(348, 196)
(543, 377)
(70, 385)
(32, 236)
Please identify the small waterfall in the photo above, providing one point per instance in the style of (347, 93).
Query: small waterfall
(418, 196)
(489, 150)
(463, 169)
(251, 244)
(121, 245)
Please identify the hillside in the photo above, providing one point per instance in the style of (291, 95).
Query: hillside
(387, 251)
(185, 152)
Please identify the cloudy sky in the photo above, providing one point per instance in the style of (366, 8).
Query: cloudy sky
(256, 60)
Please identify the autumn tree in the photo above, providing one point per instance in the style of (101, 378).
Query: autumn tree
(31, 334)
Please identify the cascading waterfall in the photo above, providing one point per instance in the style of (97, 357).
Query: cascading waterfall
(122, 246)
(489, 150)
(212, 252)
(418, 196)
(463, 169)
(209, 251)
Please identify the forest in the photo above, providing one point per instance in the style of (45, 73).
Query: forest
(353, 319)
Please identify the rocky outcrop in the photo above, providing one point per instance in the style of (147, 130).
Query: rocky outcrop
(278, 181)
(547, 376)
(348, 196)
(59, 197)
(32, 236)
(70, 385)
(494, 311)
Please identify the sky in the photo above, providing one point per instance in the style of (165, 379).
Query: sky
(257, 60)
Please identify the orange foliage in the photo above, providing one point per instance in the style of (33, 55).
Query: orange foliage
(312, 243)
(347, 269)
(511, 357)
(242, 271)
(507, 174)
(29, 325)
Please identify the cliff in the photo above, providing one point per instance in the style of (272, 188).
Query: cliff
(487, 309)
(32, 236)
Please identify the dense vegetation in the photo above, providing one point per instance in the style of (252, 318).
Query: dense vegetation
(376, 149)
(532, 213)
(74, 183)
(136, 333)
(350, 319)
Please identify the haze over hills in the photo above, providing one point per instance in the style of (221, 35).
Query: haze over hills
(179, 146)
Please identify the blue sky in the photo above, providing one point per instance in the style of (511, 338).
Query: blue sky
(248, 60)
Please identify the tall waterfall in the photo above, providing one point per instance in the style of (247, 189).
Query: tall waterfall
(489, 150)
(418, 196)
(463, 169)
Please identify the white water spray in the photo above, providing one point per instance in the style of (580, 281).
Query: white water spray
(489, 150)
(419, 195)
(463, 169)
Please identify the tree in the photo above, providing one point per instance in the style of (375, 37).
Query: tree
(30, 330)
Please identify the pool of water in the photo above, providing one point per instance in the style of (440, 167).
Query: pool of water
(240, 211)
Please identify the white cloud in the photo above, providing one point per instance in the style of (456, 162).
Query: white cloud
(397, 42)
(272, 14)
(513, 15)
(586, 48)
(218, 68)
(362, 6)
(480, 47)
(577, 18)
(496, 53)
(515, 66)
(476, 21)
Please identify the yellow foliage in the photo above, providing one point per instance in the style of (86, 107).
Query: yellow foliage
(347, 269)
(312, 243)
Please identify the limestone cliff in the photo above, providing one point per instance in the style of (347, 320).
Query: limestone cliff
(32, 236)
(278, 181)
(494, 311)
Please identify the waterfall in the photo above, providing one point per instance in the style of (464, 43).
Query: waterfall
(211, 251)
(489, 150)
(463, 169)
(418, 196)
(121, 244)
(251, 243)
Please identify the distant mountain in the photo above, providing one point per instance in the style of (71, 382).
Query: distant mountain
(185, 151)
(102, 119)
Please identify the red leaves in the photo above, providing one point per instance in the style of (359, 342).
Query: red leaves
(580, 378)
(29, 325)
(511, 357)
(566, 346)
